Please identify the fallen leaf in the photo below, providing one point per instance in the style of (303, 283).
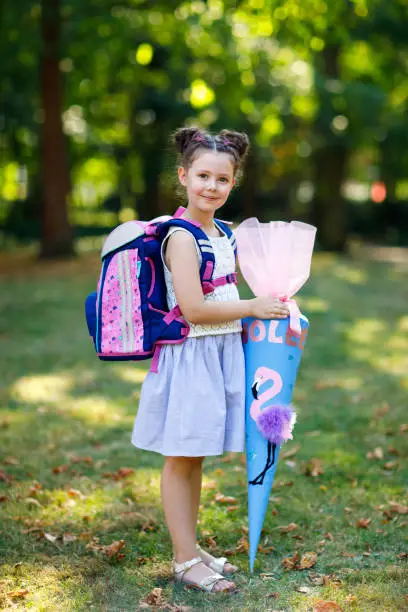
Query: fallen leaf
(10, 461)
(224, 499)
(329, 536)
(307, 560)
(67, 538)
(288, 528)
(210, 541)
(76, 493)
(317, 579)
(306, 590)
(314, 468)
(4, 498)
(155, 598)
(59, 469)
(33, 501)
(377, 453)
(273, 595)
(363, 523)
(403, 427)
(350, 599)
(382, 410)
(326, 606)
(51, 538)
(19, 593)
(403, 555)
(5, 477)
(291, 563)
(390, 465)
(290, 452)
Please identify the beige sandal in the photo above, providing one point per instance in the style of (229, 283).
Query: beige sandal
(206, 584)
(218, 563)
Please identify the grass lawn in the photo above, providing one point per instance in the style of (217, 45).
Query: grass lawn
(81, 521)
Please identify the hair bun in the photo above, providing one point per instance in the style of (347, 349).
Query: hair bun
(238, 140)
(183, 137)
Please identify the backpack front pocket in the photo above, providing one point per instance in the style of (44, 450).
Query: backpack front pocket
(119, 306)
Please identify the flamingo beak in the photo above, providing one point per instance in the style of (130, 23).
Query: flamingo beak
(255, 387)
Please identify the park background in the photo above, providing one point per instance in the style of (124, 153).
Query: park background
(89, 95)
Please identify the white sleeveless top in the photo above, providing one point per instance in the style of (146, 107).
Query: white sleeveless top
(224, 264)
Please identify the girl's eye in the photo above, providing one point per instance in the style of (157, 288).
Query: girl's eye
(223, 179)
(202, 175)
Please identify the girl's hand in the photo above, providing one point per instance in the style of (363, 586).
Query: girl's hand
(267, 307)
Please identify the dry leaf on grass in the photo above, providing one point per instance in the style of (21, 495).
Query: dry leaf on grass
(4, 498)
(296, 563)
(306, 590)
(273, 595)
(5, 477)
(350, 599)
(377, 453)
(59, 469)
(290, 452)
(363, 523)
(155, 599)
(326, 606)
(288, 528)
(314, 468)
(224, 499)
(19, 593)
(121, 473)
(390, 465)
(111, 550)
(10, 461)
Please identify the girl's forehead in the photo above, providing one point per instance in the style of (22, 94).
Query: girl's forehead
(214, 161)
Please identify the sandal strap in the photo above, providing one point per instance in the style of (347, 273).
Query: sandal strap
(181, 568)
(217, 564)
(209, 583)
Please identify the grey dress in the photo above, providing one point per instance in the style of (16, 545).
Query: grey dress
(194, 406)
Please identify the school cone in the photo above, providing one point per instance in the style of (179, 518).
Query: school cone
(272, 356)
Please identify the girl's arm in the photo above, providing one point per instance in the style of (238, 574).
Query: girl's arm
(181, 259)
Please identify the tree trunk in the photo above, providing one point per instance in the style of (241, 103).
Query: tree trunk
(56, 231)
(330, 162)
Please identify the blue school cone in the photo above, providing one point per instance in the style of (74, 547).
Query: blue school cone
(272, 357)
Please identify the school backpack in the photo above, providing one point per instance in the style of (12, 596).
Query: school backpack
(127, 316)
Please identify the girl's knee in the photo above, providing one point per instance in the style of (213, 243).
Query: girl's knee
(184, 464)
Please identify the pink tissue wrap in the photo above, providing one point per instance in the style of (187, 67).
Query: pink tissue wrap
(275, 260)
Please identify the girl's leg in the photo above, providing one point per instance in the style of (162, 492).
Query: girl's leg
(196, 482)
(180, 508)
(176, 489)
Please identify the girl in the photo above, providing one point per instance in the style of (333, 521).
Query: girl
(194, 406)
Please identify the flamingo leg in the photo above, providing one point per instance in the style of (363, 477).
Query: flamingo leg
(269, 463)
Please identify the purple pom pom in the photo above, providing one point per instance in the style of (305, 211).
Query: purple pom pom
(276, 422)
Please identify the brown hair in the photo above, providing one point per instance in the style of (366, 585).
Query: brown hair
(189, 140)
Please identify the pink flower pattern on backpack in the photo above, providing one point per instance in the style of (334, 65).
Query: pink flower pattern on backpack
(122, 324)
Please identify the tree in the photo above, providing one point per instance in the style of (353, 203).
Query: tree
(56, 231)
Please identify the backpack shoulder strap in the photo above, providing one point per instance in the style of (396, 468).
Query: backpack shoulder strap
(206, 250)
(229, 233)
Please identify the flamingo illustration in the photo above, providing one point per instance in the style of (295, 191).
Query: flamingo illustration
(262, 375)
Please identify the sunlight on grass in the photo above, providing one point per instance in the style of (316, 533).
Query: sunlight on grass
(94, 409)
(132, 374)
(313, 304)
(353, 275)
(42, 388)
(373, 341)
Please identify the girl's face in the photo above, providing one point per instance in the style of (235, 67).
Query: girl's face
(208, 180)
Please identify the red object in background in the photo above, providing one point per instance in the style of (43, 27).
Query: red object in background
(378, 192)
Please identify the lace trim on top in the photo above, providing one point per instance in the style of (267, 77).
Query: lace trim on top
(224, 264)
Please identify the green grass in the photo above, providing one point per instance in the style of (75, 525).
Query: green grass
(60, 406)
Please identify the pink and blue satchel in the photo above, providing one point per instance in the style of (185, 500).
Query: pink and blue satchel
(127, 316)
